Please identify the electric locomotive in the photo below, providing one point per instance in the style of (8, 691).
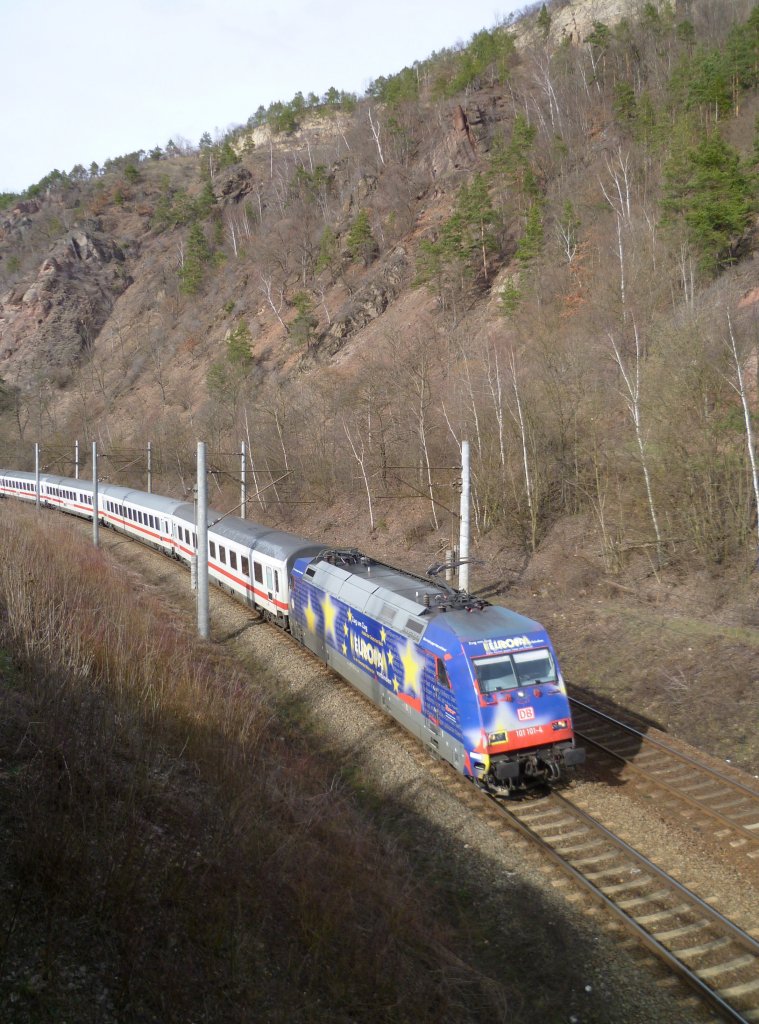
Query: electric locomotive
(478, 684)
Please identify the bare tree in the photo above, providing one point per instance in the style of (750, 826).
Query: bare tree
(359, 453)
(275, 297)
(518, 415)
(738, 385)
(376, 130)
(631, 379)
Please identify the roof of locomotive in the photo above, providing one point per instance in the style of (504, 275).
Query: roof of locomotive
(489, 622)
(411, 603)
(390, 596)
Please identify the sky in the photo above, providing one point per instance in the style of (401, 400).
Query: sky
(90, 80)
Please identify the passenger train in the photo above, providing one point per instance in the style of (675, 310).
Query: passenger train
(478, 684)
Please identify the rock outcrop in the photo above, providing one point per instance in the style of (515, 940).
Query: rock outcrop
(49, 321)
(368, 303)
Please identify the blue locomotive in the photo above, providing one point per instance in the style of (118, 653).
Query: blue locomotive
(480, 685)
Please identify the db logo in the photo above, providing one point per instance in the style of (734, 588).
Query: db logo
(525, 714)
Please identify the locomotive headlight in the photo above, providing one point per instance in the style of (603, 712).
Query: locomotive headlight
(480, 763)
(498, 737)
(561, 723)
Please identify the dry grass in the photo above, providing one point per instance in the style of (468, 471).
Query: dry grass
(163, 860)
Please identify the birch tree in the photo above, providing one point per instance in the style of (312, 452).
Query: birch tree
(631, 377)
(359, 454)
(739, 386)
(517, 414)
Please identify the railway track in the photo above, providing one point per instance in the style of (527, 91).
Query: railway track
(704, 948)
(691, 787)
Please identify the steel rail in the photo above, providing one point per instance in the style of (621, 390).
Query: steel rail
(648, 940)
(700, 804)
(686, 758)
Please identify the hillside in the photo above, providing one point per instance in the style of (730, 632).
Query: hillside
(543, 242)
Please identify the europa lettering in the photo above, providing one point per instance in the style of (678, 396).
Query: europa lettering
(368, 653)
(495, 646)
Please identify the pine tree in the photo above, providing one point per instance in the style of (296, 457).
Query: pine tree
(304, 325)
(510, 298)
(475, 219)
(328, 255)
(708, 189)
(238, 347)
(544, 21)
(361, 242)
(196, 258)
(467, 241)
(510, 161)
(531, 242)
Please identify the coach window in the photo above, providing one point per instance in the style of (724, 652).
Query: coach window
(222, 555)
(212, 548)
(245, 566)
(232, 560)
(258, 573)
(269, 579)
(276, 582)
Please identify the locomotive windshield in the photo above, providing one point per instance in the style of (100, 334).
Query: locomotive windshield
(511, 671)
